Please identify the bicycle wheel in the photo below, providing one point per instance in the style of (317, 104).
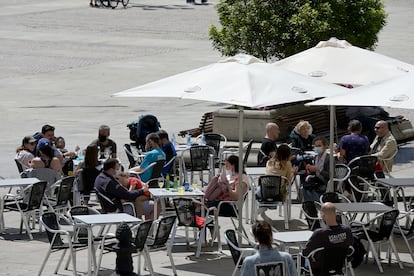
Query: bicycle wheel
(113, 3)
(125, 3)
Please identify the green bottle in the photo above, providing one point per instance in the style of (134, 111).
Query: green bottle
(175, 182)
(167, 182)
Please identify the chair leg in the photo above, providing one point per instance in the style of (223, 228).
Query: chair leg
(374, 253)
(200, 241)
(26, 224)
(169, 251)
(148, 262)
(60, 261)
(73, 255)
(44, 261)
(394, 249)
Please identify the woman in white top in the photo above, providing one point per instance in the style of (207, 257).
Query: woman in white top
(24, 153)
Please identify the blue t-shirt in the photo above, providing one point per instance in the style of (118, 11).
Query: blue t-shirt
(355, 145)
(150, 157)
(170, 152)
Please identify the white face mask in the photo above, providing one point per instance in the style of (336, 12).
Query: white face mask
(318, 150)
(229, 172)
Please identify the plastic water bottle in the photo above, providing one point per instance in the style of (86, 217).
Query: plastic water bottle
(203, 139)
(188, 139)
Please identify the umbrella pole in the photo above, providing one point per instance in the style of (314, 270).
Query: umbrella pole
(330, 187)
(240, 189)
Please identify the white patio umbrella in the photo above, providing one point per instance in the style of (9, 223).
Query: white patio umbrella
(337, 61)
(397, 93)
(241, 80)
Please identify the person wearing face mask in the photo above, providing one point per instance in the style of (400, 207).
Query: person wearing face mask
(225, 186)
(104, 144)
(153, 153)
(318, 174)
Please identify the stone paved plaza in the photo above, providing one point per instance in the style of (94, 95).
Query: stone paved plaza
(60, 62)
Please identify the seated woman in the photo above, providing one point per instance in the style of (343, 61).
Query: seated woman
(280, 165)
(318, 174)
(46, 157)
(91, 167)
(302, 138)
(24, 153)
(262, 232)
(226, 187)
(143, 205)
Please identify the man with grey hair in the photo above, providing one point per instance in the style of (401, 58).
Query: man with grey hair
(354, 144)
(106, 146)
(268, 148)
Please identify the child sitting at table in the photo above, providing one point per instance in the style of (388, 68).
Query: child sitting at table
(143, 204)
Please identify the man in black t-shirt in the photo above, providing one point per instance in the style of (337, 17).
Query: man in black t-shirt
(268, 148)
(333, 235)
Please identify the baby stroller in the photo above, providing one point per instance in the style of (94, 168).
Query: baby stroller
(138, 131)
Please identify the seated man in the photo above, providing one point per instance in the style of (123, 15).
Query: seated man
(268, 147)
(169, 150)
(333, 235)
(154, 153)
(106, 184)
(105, 145)
(262, 232)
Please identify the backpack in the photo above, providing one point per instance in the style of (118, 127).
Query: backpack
(140, 128)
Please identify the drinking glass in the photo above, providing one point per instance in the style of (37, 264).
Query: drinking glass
(194, 186)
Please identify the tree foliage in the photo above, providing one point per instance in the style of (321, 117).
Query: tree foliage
(280, 28)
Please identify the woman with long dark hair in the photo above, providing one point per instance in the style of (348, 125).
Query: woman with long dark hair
(87, 171)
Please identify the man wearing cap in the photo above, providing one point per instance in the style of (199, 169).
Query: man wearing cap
(25, 152)
(45, 157)
(104, 144)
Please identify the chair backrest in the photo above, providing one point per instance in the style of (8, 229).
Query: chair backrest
(130, 155)
(214, 140)
(270, 188)
(106, 203)
(35, 196)
(271, 269)
(363, 166)
(200, 157)
(185, 210)
(156, 173)
(169, 167)
(163, 231)
(330, 197)
(331, 261)
(342, 172)
(50, 221)
(231, 239)
(19, 166)
(311, 214)
(386, 224)
(247, 153)
(142, 234)
(64, 193)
